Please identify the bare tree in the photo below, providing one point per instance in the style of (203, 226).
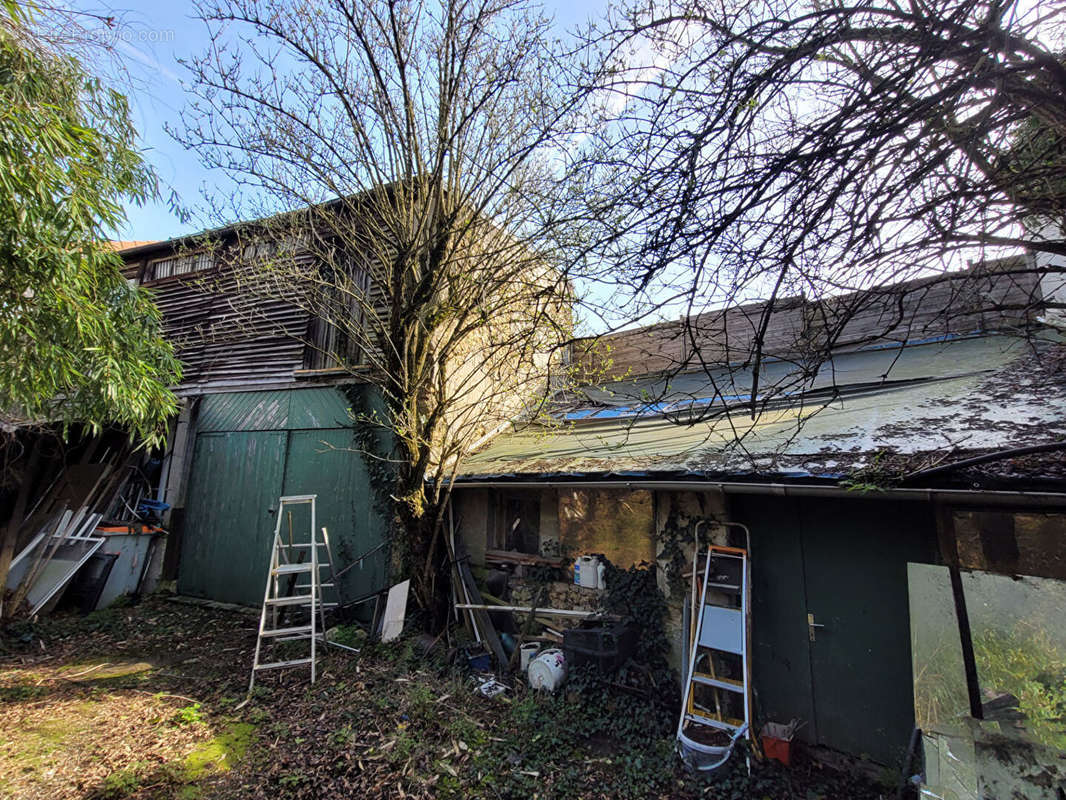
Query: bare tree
(398, 153)
(806, 155)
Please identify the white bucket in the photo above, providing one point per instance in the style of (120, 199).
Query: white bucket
(588, 571)
(548, 670)
(527, 653)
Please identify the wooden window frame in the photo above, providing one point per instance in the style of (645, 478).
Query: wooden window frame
(320, 352)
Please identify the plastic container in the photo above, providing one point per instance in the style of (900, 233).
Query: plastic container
(480, 662)
(526, 653)
(601, 575)
(577, 572)
(586, 565)
(704, 757)
(548, 670)
(777, 740)
(608, 645)
(777, 749)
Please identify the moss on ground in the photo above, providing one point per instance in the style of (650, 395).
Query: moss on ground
(182, 779)
(99, 670)
(220, 753)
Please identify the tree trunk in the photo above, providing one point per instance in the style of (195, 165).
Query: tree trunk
(420, 553)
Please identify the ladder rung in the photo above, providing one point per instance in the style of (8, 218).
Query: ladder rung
(308, 586)
(302, 544)
(304, 600)
(699, 719)
(287, 631)
(719, 683)
(731, 586)
(291, 569)
(279, 664)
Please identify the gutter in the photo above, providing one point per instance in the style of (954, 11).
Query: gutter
(996, 498)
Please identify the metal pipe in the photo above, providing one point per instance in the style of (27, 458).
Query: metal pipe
(547, 612)
(691, 640)
(994, 497)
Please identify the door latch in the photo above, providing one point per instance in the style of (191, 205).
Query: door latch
(811, 625)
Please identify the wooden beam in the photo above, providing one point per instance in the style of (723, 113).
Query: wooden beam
(484, 623)
(949, 550)
(512, 557)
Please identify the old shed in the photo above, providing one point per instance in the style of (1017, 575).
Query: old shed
(838, 506)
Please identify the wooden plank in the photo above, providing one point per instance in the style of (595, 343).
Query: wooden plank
(949, 551)
(488, 631)
(513, 557)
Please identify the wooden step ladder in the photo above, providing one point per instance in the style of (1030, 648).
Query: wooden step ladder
(720, 632)
(294, 582)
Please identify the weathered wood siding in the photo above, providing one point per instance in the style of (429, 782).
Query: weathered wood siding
(226, 336)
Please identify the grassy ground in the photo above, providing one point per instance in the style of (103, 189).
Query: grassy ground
(140, 703)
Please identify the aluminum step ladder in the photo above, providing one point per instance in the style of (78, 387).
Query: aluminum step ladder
(720, 580)
(294, 583)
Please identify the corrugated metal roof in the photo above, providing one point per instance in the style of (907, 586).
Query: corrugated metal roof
(292, 409)
(966, 394)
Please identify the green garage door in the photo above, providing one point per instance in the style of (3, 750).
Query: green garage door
(251, 448)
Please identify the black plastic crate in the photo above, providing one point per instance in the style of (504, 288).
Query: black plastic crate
(607, 645)
(726, 573)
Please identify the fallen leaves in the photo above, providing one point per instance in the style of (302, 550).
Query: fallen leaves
(385, 724)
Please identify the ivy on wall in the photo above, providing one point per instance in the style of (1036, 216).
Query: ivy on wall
(371, 440)
(371, 443)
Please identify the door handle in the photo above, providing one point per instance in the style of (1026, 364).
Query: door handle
(811, 625)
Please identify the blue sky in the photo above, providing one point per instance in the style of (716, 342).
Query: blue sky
(151, 38)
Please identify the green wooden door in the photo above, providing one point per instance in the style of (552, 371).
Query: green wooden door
(844, 561)
(781, 666)
(253, 447)
(234, 484)
(327, 463)
(855, 565)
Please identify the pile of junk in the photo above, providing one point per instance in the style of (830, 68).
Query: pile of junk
(82, 525)
(529, 642)
(541, 643)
